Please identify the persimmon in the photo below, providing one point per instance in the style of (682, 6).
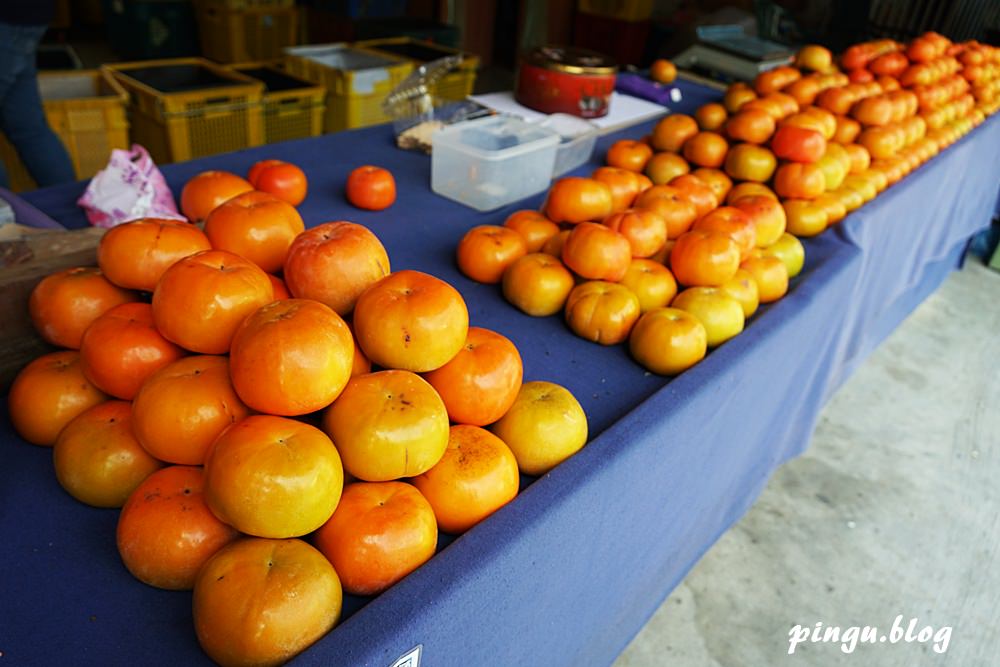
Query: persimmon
(291, 357)
(66, 302)
(741, 190)
(889, 64)
(786, 104)
(859, 156)
(704, 258)
(201, 300)
(533, 227)
(794, 180)
(370, 187)
(49, 393)
(804, 91)
(711, 116)
(380, 533)
(481, 382)
(361, 363)
(602, 312)
(767, 216)
(803, 217)
(335, 262)
(847, 130)
(790, 251)
(662, 71)
(476, 476)
(670, 133)
(775, 79)
(827, 121)
(255, 225)
(544, 427)
(837, 100)
(706, 149)
(123, 347)
(577, 199)
(181, 408)
(629, 154)
(734, 222)
(135, 254)
(284, 180)
(644, 229)
(749, 162)
(880, 142)
(668, 341)
(770, 274)
(202, 193)
(166, 531)
(697, 191)
(273, 477)
(752, 126)
(814, 57)
(411, 320)
(743, 287)
(622, 183)
(388, 425)
(673, 205)
(737, 97)
(98, 460)
(876, 110)
(537, 284)
(800, 144)
(555, 244)
(664, 166)
(486, 251)
(278, 288)
(597, 252)
(721, 314)
(651, 282)
(261, 602)
(716, 179)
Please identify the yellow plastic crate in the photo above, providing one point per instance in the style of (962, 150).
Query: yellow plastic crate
(623, 10)
(86, 110)
(356, 81)
(452, 87)
(293, 107)
(184, 108)
(248, 34)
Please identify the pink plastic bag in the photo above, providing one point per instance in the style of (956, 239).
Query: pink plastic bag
(130, 187)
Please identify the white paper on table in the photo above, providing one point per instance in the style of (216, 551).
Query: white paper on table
(624, 110)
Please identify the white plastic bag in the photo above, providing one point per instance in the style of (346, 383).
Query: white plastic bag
(130, 187)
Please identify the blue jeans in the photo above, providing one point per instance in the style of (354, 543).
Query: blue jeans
(22, 119)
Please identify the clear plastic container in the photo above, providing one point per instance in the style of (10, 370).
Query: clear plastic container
(490, 162)
(577, 138)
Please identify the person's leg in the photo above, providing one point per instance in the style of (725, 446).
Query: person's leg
(22, 118)
(11, 62)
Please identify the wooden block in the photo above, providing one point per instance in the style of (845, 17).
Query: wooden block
(26, 256)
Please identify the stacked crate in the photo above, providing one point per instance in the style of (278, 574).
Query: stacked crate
(184, 108)
(234, 31)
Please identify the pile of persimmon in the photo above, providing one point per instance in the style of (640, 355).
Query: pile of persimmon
(663, 267)
(222, 407)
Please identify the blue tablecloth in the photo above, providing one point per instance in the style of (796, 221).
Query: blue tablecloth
(568, 572)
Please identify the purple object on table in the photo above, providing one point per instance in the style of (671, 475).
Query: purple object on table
(640, 86)
(26, 214)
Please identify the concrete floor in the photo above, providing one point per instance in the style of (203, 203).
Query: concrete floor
(893, 510)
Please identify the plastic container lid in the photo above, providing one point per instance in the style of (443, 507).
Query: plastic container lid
(496, 137)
